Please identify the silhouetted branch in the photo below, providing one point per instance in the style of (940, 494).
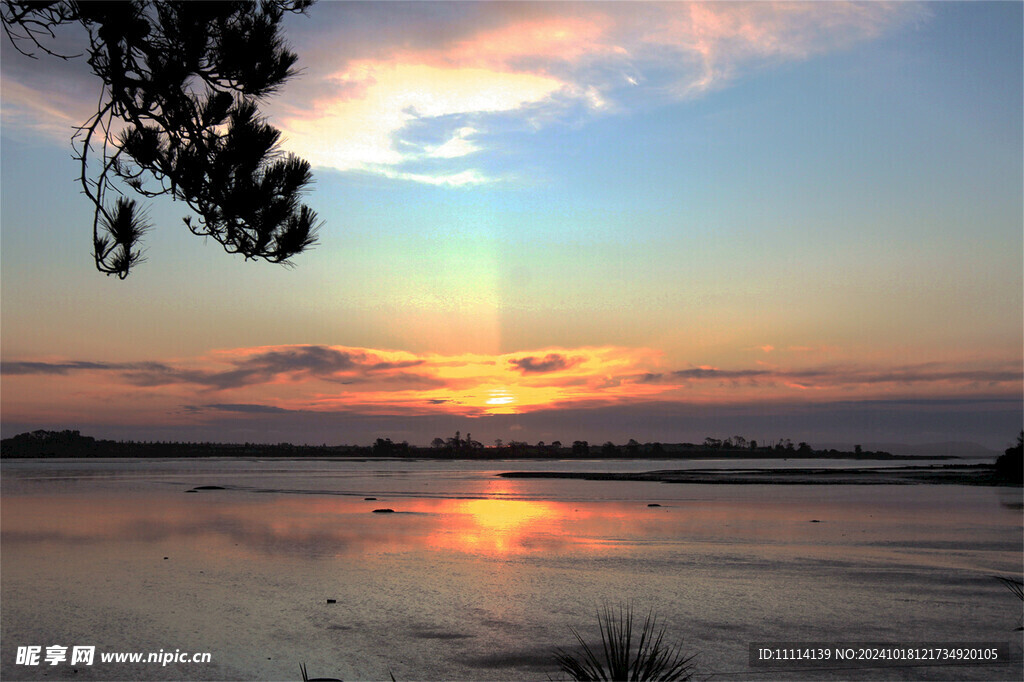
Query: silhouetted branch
(28, 21)
(178, 107)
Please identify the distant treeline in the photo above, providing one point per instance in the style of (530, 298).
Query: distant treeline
(73, 444)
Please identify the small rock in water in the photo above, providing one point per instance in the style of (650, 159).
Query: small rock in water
(165, 558)
(654, 504)
(815, 521)
(332, 601)
(192, 491)
(370, 498)
(383, 511)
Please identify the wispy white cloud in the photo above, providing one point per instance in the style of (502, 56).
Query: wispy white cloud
(362, 128)
(30, 109)
(460, 179)
(715, 42)
(532, 64)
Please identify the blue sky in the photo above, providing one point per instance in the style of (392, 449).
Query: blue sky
(818, 205)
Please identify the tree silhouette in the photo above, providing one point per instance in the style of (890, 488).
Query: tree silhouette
(178, 116)
(1010, 464)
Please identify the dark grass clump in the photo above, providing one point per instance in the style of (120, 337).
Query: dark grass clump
(1015, 586)
(651, 659)
(1012, 584)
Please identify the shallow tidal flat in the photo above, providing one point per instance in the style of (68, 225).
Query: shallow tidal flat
(478, 576)
(896, 475)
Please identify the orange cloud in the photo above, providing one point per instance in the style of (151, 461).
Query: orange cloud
(507, 384)
(725, 37)
(537, 41)
(327, 378)
(272, 380)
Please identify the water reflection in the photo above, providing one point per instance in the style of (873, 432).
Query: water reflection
(230, 522)
(236, 524)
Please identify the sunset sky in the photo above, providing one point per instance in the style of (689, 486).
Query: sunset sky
(563, 221)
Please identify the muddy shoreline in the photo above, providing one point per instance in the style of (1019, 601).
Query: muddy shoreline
(981, 474)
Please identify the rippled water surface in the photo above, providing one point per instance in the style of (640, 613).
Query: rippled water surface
(478, 577)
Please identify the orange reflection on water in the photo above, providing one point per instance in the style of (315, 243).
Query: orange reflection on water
(497, 526)
(238, 524)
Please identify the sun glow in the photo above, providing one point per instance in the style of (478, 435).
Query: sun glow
(500, 398)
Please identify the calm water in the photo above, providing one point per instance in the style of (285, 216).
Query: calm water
(479, 577)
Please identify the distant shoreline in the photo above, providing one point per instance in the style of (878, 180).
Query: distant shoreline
(955, 474)
(71, 444)
(87, 448)
(135, 454)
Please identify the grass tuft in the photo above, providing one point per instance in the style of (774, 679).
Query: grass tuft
(1015, 586)
(1012, 584)
(651, 660)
